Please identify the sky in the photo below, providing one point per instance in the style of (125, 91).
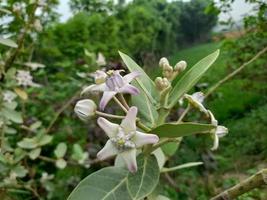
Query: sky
(239, 8)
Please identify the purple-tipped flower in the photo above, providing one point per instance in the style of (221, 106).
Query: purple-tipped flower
(114, 83)
(124, 139)
(220, 131)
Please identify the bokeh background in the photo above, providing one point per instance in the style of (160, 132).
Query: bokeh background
(73, 34)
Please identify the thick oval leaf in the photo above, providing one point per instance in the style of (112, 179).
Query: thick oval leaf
(146, 99)
(183, 129)
(143, 182)
(191, 77)
(60, 150)
(107, 183)
(8, 42)
(12, 115)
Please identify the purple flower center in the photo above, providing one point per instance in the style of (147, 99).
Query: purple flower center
(115, 82)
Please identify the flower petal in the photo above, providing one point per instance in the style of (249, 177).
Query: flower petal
(129, 89)
(221, 131)
(107, 96)
(110, 129)
(215, 142)
(141, 139)
(128, 123)
(108, 150)
(129, 77)
(212, 118)
(129, 158)
(95, 87)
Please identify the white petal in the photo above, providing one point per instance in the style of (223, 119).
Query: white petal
(221, 131)
(107, 96)
(215, 142)
(198, 96)
(129, 77)
(128, 123)
(129, 158)
(129, 89)
(141, 139)
(95, 87)
(212, 118)
(108, 150)
(110, 129)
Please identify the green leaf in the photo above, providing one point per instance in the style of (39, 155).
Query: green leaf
(28, 143)
(44, 139)
(20, 171)
(143, 182)
(60, 150)
(8, 42)
(191, 77)
(170, 148)
(35, 125)
(146, 99)
(184, 129)
(12, 115)
(161, 159)
(61, 163)
(33, 154)
(107, 183)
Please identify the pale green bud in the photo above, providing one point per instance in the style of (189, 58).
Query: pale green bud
(85, 109)
(180, 66)
(163, 61)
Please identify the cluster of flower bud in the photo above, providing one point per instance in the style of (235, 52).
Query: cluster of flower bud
(168, 71)
(162, 83)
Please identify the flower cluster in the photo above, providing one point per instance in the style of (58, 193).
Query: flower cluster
(24, 78)
(124, 139)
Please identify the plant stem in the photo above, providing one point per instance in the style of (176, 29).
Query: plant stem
(142, 126)
(245, 186)
(123, 101)
(183, 114)
(120, 104)
(164, 170)
(164, 141)
(109, 115)
(229, 76)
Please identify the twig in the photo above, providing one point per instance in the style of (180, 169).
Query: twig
(252, 182)
(183, 114)
(229, 76)
(123, 101)
(109, 115)
(58, 113)
(186, 165)
(120, 104)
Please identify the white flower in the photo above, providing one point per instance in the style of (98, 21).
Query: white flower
(114, 83)
(220, 131)
(85, 109)
(24, 78)
(9, 96)
(100, 59)
(124, 139)
(37, 25)
(196, 101)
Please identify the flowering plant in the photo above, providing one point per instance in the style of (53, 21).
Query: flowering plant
(137, 142)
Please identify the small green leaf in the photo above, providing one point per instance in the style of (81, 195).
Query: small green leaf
(44, 139)
(191, 77)
(60, 150)
(107, 183)
(61, 163)
(35, 125)
(170, 148)
(20, 171)
(33, 154)
(12, 115)
(184, 129)
(28, 143)
(143, 182)
(8, 42)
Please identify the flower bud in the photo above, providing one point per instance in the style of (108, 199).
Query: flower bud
(163, 61)
(167, 71)
(180, 66)
(85, 109)
(162, 83)
(100, 76)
